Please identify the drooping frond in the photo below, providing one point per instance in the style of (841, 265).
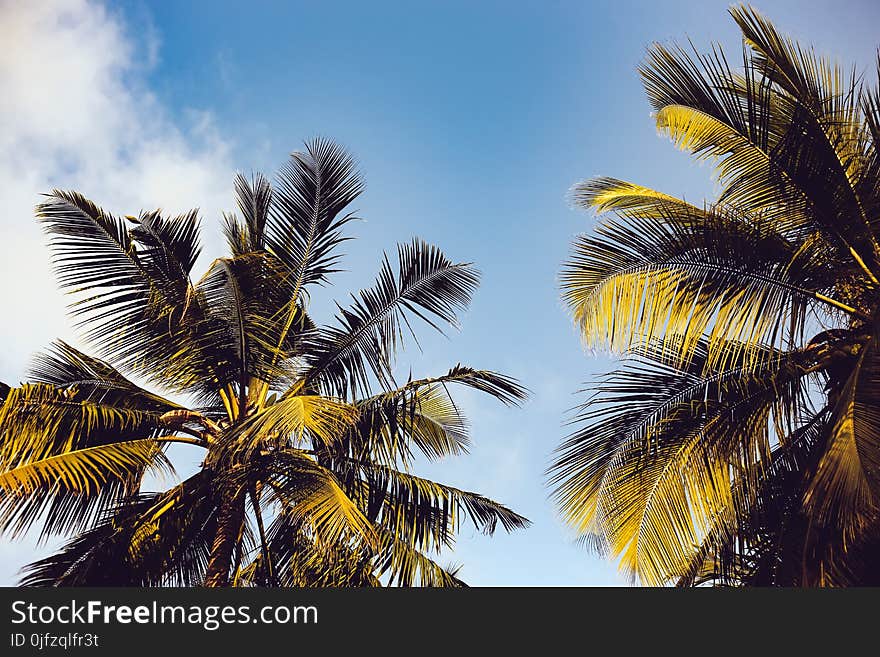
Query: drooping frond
(422, 415)
(722, 275)
(629, 199)
(298, 560)
(155, 539)
(64, 366)
(651, 469)
(295, 418)
(424, 510)
(408, 567)
(84, 470)
(846, 485)
(312, 494)
(39, 422)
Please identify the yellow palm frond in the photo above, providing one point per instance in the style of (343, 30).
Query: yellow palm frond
(408, 566)
(311, 494)
(657, 302)
(294, 417)
(435, 424)
(846, 486)
(38, 420)
(626, 198)
(84, 470)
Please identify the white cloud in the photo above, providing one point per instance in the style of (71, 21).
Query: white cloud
(76, 113)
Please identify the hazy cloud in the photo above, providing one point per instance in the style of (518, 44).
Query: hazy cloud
(76, 113)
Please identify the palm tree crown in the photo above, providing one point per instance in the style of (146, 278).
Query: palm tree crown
(308, 437)
(740, 442)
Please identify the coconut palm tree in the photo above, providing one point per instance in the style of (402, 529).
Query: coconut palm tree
(740, 441)
(308, 438)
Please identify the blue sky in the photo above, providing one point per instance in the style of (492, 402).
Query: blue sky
(470, 120)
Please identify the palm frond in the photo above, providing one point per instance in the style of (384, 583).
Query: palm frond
(720, 275)
(39, 421)
(154, 539)
(84, 470)
(295, 418)
(254, 198)
(406, 566)
(425, 511)
(628, 199)
(426, 285)
(304, 224)
(298, 560)
(245, 298)
(64, 366)
(651, 469)
(133, 291)
(847, 481)
(781, 144)
(312, 494)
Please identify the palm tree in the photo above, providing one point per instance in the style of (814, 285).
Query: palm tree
(308, 438)
(740, 441)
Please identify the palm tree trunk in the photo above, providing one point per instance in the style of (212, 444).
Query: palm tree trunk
(229, 525)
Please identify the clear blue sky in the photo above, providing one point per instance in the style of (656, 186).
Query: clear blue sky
(470, 120)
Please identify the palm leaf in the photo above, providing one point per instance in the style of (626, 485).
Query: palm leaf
(254, 200)
(847, 480)
(720, 275)
(84, 470)
(295, 417)
(311, 493)
(650, 472)
(134, 294)
(426, 285)
(303, 228)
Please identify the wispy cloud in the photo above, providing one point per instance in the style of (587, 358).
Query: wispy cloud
(77, 113)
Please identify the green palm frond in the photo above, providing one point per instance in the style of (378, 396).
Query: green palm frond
(40, 423)
(650, 470)
(298, 560)
(787, 135)
(247, 299)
